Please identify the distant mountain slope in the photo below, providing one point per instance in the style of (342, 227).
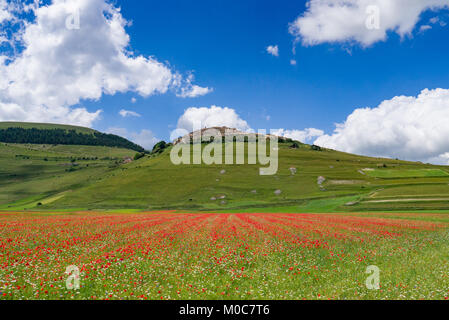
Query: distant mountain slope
(37, 173)
(29, 125)
(309, 179)
(224, 132)
(39, 133)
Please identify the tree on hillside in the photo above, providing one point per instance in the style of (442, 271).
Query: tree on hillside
(160, 147)
(65, 137)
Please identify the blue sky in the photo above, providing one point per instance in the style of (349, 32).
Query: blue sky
(223, 44)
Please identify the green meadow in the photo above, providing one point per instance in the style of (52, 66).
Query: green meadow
(356, 212)
(407, 173)
(69, 177)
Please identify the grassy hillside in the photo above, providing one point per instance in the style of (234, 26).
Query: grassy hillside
(33, 174)
(30, 125)
(155, 183)
(62, 177)
(36, 133)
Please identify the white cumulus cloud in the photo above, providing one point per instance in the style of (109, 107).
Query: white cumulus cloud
(128, 113)
(424, 28)
(299, 135)
(189, 90)
(405, 127)
(194, 91)
(63, 62)
(361, 21)
(273, 50)
(4, 13)
(144, 138)
(211, 117)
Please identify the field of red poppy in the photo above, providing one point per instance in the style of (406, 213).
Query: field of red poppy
(223, 256)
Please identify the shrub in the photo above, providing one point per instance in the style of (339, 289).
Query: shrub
(138, 156)
(294, 145)
(159, 147)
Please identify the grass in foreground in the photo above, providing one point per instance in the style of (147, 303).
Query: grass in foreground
(224, 256)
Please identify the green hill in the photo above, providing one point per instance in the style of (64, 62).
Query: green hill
(32, 175)
(352, 183)
(38, 133)
(30, 125)
(66, 177)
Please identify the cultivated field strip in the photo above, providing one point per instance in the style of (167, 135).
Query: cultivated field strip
(222, 256)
